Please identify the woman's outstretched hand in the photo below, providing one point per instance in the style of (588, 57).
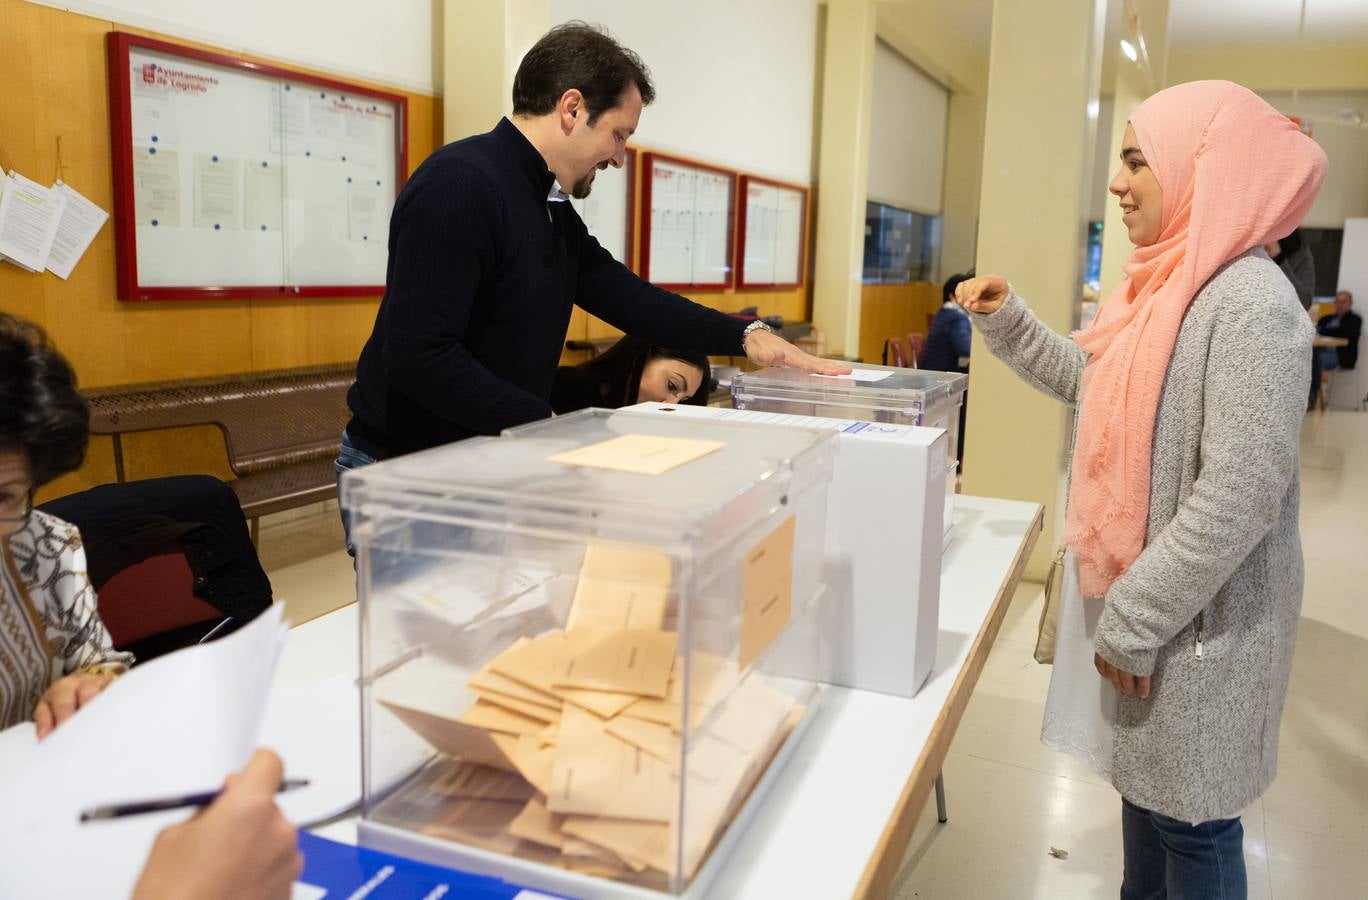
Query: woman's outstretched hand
(983, 295)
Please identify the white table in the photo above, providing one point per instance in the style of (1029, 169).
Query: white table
(838, 819)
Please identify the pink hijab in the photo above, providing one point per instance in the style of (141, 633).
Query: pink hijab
(1235, 174)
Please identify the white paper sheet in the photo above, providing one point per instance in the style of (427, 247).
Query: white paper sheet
(81, 221)
(316, 729)
(218, 196)
(863, 375)
(29, 216)
(156, 187)
(178, 724)
(264, 196)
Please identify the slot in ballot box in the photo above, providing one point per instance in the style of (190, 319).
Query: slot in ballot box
(881, 394)
(878, 626)
(581, 618)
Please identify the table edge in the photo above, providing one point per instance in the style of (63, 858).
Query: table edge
(883, 866)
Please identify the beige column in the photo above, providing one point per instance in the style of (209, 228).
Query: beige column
(843, 171)
(1039, 139)
(963, 172)
(482, 43)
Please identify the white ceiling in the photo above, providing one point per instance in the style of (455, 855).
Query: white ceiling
(1192, 23)
(1227, 23)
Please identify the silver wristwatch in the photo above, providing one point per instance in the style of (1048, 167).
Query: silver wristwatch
(757, 325)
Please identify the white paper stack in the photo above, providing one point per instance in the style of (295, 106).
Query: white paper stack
(45, 228)
(179, 724)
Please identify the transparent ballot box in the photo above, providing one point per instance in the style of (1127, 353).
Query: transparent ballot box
(870, 394)
(568, 640)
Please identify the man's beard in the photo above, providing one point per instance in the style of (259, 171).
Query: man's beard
(581, 188)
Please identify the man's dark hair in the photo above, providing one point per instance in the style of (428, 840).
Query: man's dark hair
(42, 414)
(581, 56)
(948, 289)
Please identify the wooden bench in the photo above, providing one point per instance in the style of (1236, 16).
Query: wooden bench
(282, 428)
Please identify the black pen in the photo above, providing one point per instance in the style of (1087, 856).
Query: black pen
(136, 808)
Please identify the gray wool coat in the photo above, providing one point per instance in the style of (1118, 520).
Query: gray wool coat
(1210, 607)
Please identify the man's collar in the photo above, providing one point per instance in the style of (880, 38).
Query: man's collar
(525, 157)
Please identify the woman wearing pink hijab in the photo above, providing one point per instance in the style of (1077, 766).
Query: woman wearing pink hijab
(1183, 575)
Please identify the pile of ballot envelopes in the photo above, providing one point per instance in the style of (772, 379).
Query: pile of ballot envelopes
(603, 747)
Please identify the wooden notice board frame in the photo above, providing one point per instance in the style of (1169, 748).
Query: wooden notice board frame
(631, 166)
(743, 283)
(119, 45)
(649, 159)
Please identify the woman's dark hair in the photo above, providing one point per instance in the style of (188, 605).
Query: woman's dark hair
(581, 56)
(42, 415)
(617, 371)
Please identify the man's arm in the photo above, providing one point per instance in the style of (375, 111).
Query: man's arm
(612, 292)
(444, 246)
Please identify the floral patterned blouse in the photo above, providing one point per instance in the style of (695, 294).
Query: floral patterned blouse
(48, 623)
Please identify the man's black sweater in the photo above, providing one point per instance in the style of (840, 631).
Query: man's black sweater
(483, 272)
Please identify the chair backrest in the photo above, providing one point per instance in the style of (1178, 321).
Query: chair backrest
(170, 559)
(896, 353)
(918, 344)
(268, 419)
(151, 597)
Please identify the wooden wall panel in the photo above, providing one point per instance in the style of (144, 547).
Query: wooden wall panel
(889, 310)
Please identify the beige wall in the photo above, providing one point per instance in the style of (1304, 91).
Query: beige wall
(1333, 68)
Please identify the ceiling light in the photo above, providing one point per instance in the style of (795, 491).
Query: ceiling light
(1129, 50)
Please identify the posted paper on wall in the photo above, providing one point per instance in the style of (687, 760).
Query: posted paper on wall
(29, 216)
(81, 221)
(217, 199)
(157, 187)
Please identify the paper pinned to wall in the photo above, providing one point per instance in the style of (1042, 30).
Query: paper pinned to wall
(264, 197)
(218, 201)
(81, 221)
(29, 217)
(157, 192)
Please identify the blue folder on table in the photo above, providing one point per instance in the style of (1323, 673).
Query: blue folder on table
(341, 870)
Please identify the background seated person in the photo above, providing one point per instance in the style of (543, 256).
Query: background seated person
(1342, 323)
(633, 371)
(55, 654)
(950, 335)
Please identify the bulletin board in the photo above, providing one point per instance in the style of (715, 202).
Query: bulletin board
(772, 227)
(687, 218)
(234, 179)
(607, 211)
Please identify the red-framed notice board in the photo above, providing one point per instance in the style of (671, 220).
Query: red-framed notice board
(236, 179)
(687, 218)
(609, 210)
(773, 225)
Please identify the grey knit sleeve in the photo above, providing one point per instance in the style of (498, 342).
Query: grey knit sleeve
(1254, 397)
(1046, 360)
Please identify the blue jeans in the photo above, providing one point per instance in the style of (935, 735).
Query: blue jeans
(349, 458)
(1329, 358)
(1170, 860)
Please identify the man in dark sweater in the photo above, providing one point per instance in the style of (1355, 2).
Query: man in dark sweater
(486, 260)
(1342, 323)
